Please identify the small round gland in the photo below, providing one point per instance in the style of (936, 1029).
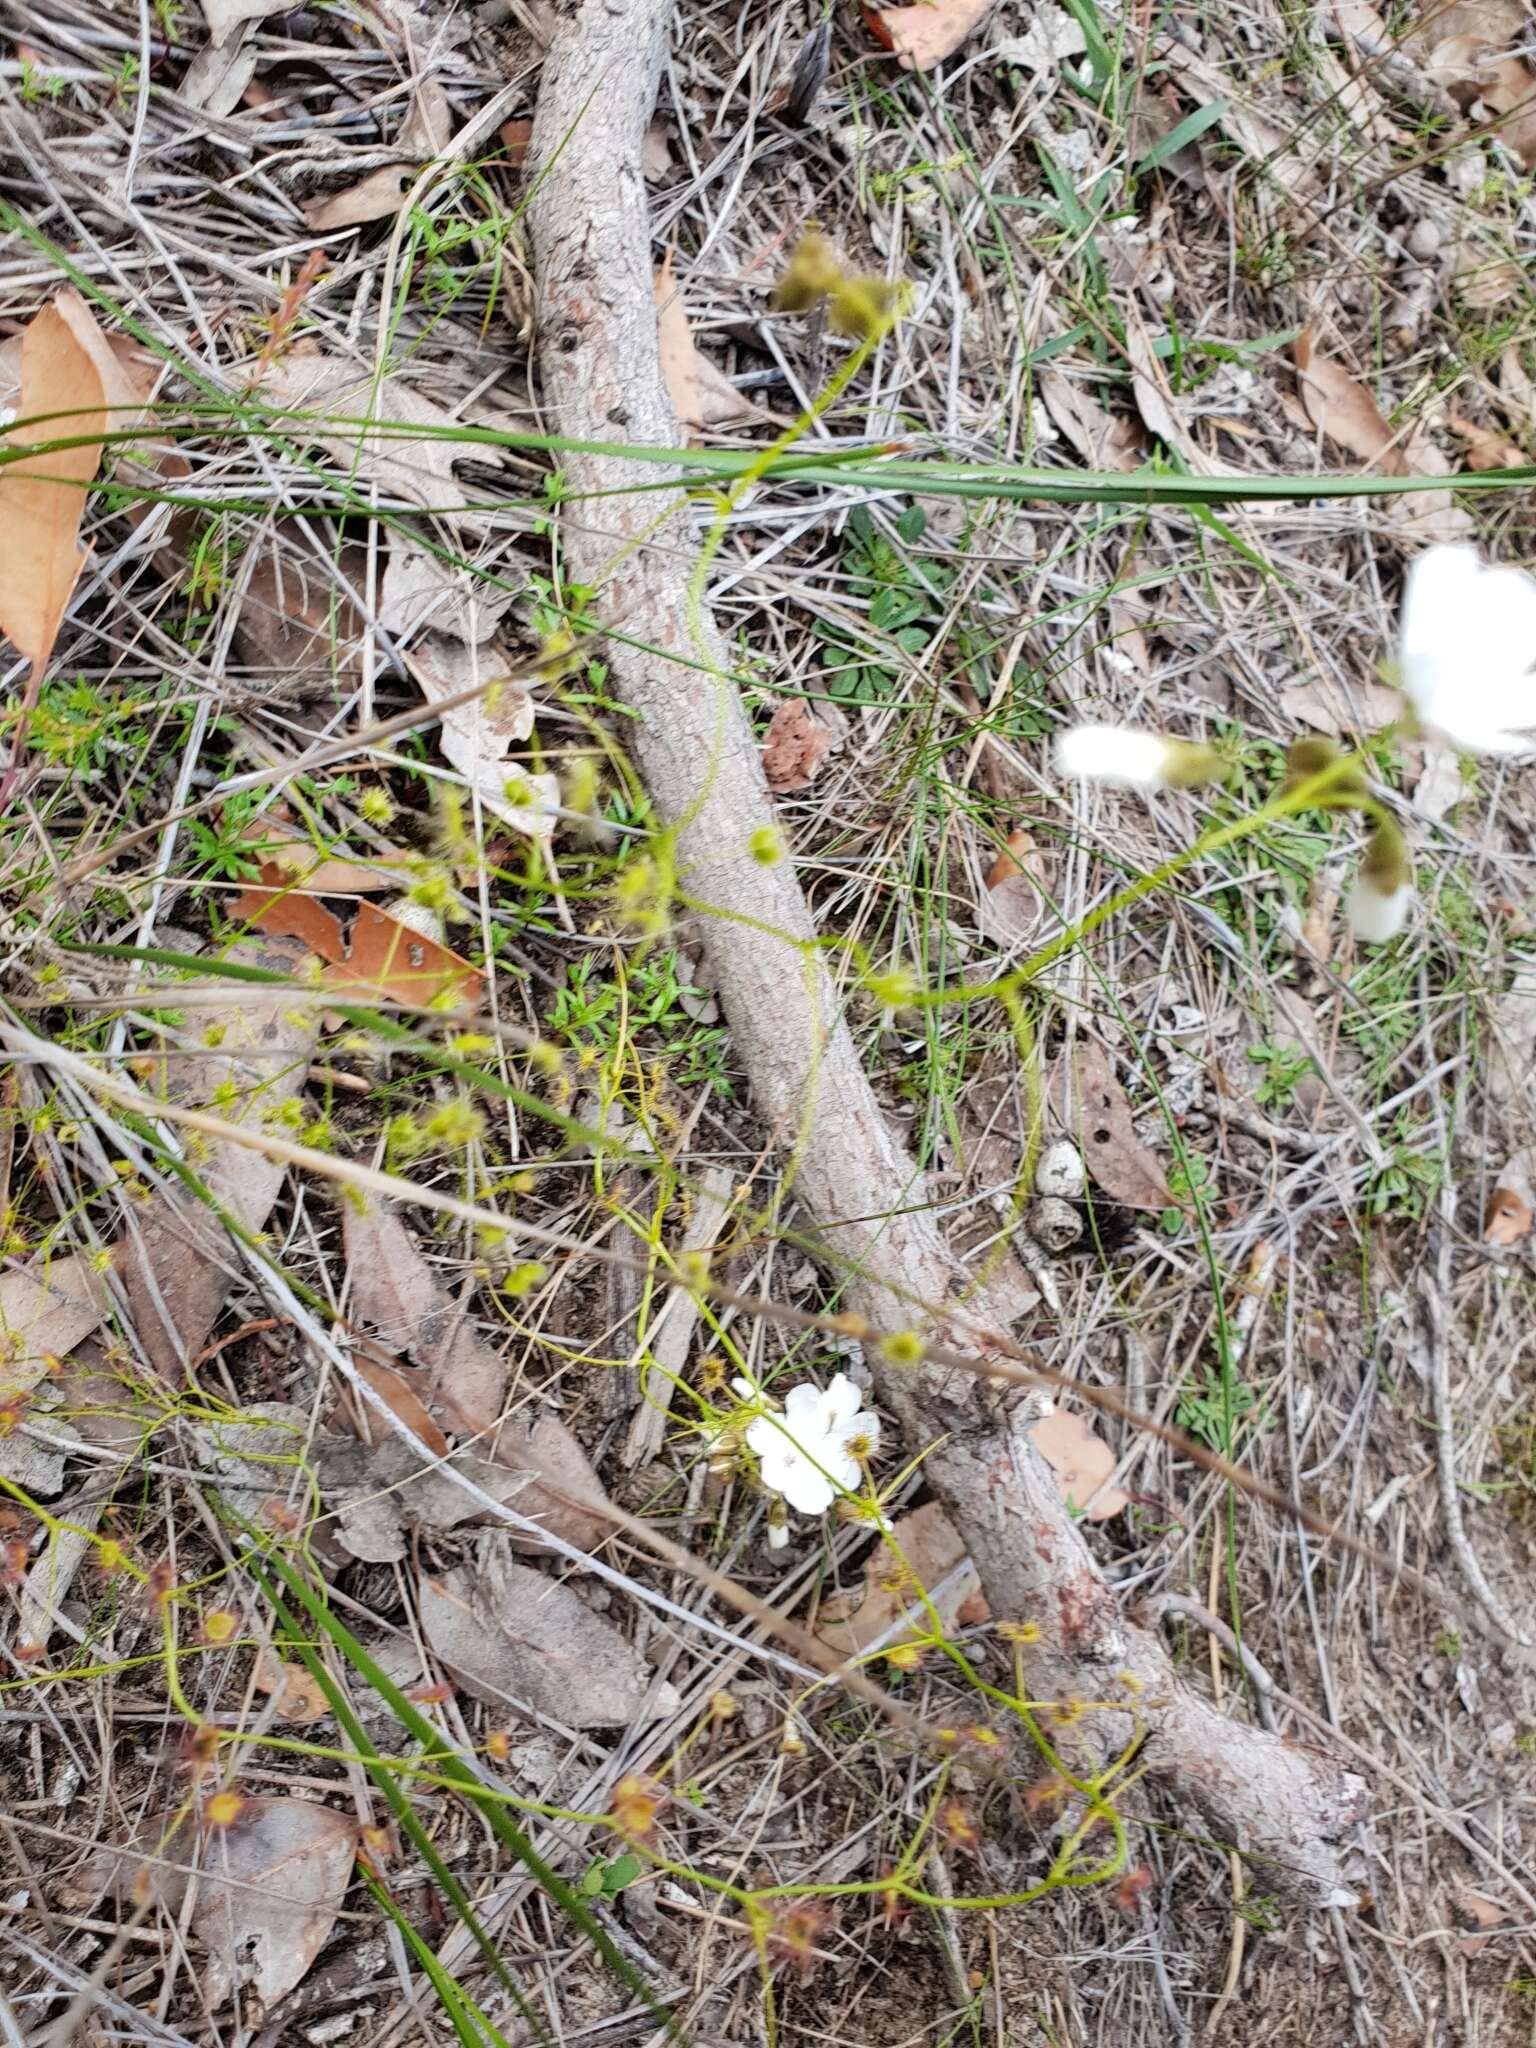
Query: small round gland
(1053, 1223)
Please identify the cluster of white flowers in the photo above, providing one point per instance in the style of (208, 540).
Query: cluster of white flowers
(1467, 665)
(812, 1452)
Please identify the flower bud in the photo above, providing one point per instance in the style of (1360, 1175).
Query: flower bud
(1120, 757)
(1382, 892)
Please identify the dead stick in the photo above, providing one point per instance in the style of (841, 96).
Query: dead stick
(601, 376)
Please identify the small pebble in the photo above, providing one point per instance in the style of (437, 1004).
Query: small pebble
(1423, 240)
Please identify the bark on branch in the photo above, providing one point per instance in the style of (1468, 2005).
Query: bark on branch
(602, 381)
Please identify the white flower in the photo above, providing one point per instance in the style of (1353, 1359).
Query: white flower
(1468, 650)
(1374, 914)
(1113, 754)
(811, 1452)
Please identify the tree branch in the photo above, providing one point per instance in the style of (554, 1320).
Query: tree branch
(602, 380)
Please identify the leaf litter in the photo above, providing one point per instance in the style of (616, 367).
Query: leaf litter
(702, 395)
(178, 1264)
(385, 955)
(533, 1461)
(72, 387)
(269, 1882)
(515, 1638)
(925, 35)
(1127, 1170)
(924, 1555)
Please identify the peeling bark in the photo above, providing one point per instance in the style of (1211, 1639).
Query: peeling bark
(602, 381)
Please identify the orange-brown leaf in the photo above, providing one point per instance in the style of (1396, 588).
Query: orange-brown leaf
(1341, 408)
(407, 965)
(299, 1695)
(42, 501)
(289, 913)
(1486, 448)
(1082, 1462)
(287, 859)
(925, 35)
(384, 957)
(515, 139)
(393, 1386)
(1512, 1205)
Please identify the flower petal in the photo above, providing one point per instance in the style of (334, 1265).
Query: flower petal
(806, 1490)
(1375, 915)
(1468, 646)
(802, 1404)
(841, 1400)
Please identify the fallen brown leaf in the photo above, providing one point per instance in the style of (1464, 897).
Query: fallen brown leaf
(395, 1291)
(1016, 886)
(383, 957)
(377, 197)
(1486, 449)
(702, 395)
(1428, 516)
(514, 1638)
(930, 1551)
(797, 741)
(1082, 1462)
(1260, 140)
(225, 16)
(295, 621)
(1481, 1913)
(42, 501)
(270, 1887)
(289, 860)
(404, 443)
(408, 965)
(1517, 389)
(1341, 408)
(286, 912)
(1127, 1170)
(298, 1695)
(1335, 707)
(393, 1385)
(515, 138)
(1468, 48)
(1104, 440)
(178, 1263)
(270, 1884)
(1512, 1041)
(925, 35)
(1156, 403)
(45, 1311)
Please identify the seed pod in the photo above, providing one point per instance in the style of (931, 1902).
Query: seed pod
(1053, 1223)
(1059, 1171)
